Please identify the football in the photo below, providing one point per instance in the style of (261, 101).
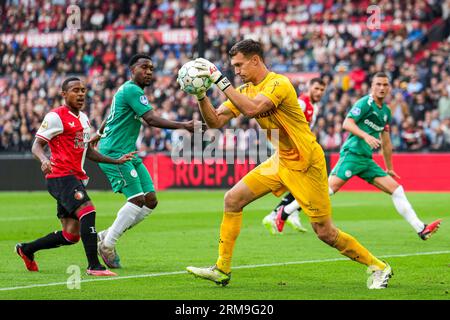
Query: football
(190, 82)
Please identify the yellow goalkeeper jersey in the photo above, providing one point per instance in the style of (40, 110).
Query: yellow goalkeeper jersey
(296, 141)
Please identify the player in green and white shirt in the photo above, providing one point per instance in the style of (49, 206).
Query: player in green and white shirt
(368, 124)
(119, 133)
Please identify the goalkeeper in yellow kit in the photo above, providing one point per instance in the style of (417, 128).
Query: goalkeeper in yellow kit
(298, 165)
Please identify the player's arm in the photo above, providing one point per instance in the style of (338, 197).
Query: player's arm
(247, 106)
(351, 126)
(214, 118)
(95, 156)
(98, 135)
(154, 121)
(51, 127)
(386, 147)
(138, 102)
(38, 150)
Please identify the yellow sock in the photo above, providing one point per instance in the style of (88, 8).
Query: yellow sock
(229, 231)
(350, 247)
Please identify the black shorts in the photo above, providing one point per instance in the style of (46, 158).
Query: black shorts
(69, 193)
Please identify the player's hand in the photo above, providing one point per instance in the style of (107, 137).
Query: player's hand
(374, 143)
(208, 69)
(193, 125)
(126, 157)
(201, 95)
(393, 174)
(46, 166)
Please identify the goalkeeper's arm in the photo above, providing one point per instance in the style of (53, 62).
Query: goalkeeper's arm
(247, 106)
(214, 118)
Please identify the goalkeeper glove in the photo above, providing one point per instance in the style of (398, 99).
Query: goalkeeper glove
(201, 95)
(209, 69)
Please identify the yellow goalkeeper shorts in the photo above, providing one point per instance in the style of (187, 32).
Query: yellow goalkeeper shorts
(309, 187)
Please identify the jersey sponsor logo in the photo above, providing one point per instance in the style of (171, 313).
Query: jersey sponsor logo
(373, 125)
(356, 111)
(143, 100)
(133, 173)
(81, 140)
(311, 207)
(266, 114)
(385, 118)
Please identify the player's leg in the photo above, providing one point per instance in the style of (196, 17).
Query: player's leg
(149, 204)
(70, 234)
(86, 216)
(287, 199)
(351, 248)
(108, 238)
(69, 193)
(295, 222)
(150, 200)
(253, 186)
(125, 217)
(235, 200)
(77, 202)
(124, 178)
(387, 184)
(141, 200)
(311, 190)
(289, 213)
(337, 179)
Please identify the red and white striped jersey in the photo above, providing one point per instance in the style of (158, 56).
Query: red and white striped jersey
(310, 110)
(68, 136)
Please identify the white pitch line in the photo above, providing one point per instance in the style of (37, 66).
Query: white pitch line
(162, 274)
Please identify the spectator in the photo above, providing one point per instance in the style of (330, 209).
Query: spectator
(396, 139)
(444, 105)
(419, 107)
(31, 77)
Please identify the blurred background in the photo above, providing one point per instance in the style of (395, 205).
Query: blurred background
(335, 40)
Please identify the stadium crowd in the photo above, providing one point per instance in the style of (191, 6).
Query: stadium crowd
(30, 78)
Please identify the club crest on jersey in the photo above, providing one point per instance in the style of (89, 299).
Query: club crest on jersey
(143, 100)
(348, 173)
(133, 173)
(72, 124)
(79, 195)
(356, 111)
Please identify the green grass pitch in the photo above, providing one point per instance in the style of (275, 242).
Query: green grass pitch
(184, 231)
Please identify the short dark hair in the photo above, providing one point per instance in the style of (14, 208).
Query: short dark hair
(380, 74)
(65, 84)
(136, 57)
(247, 47)
(317, 80)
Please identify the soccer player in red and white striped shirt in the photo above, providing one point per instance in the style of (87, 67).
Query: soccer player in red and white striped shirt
(288, 208)
(66, 130)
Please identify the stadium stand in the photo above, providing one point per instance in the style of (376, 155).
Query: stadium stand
(412, 46)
